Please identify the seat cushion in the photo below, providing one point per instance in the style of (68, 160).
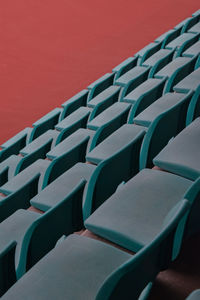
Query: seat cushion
(108, 115)
(133, 216)
(178, 42)
(146, 87)
(161, 105)
(62, 186)
(114, 143)
(38, 168)
(169, 69)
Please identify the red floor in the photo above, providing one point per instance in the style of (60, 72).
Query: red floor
(49, 50)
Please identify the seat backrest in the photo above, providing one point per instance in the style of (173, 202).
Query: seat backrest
(121, 166)
(64, 162)
(133, 276)
(62, 219)
(15, 144)
(47, 122)
(7, 267)
(180, 74)
(19, 199)
(194, 107)
(193, 196)
(162, 129)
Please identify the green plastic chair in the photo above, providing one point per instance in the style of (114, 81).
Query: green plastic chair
(160, 55)
(164, 122)
(169, 35)
(73, 104)
(18, 199)
(45, 123)
(99, 85)
(181, 155)
(110, 172)
(180, 40)
(114, 117)
(36, 149)
(158, 61)
(124, 67)
(175, 71)
(181, 24)
(193, 50)
(56, 191)
(83, 268)
(37, 169)
(144, 95)
(66, 154)
(195, 28)
(115, 142)
(8, 167)
(132, 79)
(74, 121)
(189, 83)
(15, 144)
(147, 51)
(190, 23)
(189, 48)
(103, 100)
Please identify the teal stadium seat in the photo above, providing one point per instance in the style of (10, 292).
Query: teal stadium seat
(111, 119)
(193, 50)
(175, 71)
(181, 155)
(15, 144)
(144, 95)
(35, 170)
(45, 123)
(192, 25)
(164, 119)
(99, 85)
(77, 119)
(73, 104)
(8, 168)
(189, 83)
